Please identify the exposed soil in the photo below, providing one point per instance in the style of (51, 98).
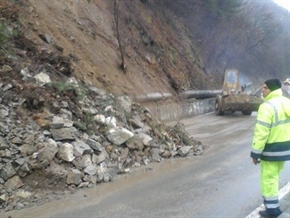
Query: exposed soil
(85, 33)
(78, 39)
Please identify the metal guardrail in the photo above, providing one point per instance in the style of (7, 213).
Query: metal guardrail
(197, 94)
(201, 94)
(152, 97)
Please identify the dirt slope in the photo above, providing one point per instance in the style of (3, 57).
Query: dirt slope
(156, 58)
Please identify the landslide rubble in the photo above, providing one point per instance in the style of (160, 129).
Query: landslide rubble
(58, 135)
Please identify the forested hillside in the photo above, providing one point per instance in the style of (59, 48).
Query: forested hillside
(252, 36)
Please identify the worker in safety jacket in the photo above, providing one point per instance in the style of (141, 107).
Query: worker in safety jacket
(271, 143)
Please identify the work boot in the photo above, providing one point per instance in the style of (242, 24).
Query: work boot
(266, 214)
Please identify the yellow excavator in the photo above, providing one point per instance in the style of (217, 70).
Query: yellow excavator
(234, 98)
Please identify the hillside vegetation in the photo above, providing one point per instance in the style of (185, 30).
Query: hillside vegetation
(252, 36)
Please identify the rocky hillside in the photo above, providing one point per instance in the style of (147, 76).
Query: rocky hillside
(66, 120)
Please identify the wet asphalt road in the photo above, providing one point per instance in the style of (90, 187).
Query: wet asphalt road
(222, 182)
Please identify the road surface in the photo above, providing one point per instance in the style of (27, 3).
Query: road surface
(223, 182)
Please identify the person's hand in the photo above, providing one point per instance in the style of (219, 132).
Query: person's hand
(256, 161)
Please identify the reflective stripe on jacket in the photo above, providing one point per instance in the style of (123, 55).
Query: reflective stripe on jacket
(271, 141)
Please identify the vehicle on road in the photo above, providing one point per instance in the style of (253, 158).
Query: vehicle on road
(234, 98)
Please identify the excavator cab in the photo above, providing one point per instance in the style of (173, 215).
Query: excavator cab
(231, 82)
(233, 97)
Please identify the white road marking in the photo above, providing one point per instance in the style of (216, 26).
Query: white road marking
(282, 193)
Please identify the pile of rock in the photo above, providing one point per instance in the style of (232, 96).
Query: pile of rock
(51, 143)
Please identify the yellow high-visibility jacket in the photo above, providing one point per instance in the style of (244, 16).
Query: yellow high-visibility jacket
(271, 140)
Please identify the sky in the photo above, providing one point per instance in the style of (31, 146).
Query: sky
(283, 3)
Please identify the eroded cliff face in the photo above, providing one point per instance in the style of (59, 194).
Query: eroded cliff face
(159, 56)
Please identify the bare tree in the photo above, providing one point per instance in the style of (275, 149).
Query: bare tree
(116, 17)
(262, 26)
